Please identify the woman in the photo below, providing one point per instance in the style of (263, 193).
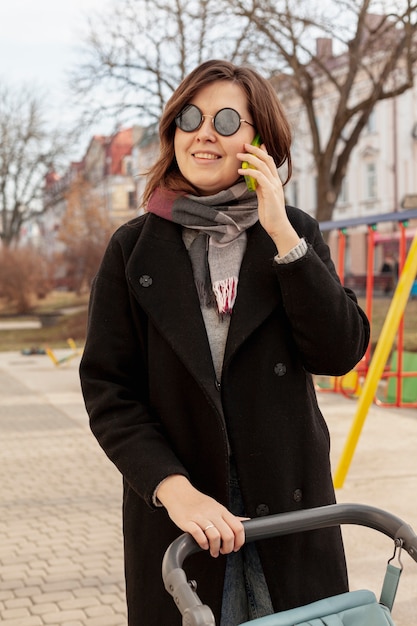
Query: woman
(208, 316)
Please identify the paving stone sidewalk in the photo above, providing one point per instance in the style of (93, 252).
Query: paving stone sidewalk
(61, 551)
(61, 561)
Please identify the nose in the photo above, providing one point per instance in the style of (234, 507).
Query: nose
(206, 130)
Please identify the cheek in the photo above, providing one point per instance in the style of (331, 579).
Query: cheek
(179, 148)
(177, 144)
(233, 150)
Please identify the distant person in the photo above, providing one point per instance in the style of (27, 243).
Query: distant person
(208, 317)
(388, 270)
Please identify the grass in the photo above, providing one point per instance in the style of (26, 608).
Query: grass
(71, 311)
(54, 301)
(73, 319)
(380, 308)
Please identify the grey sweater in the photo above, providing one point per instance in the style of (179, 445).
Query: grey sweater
(218, 327)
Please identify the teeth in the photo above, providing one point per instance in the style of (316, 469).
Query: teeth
(205, 155)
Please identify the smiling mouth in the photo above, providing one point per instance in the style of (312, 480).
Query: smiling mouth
(206, 155)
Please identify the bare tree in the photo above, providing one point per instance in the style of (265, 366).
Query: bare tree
(355, 52)
(28, 149)
(85, 230)
(136, 55)
(375, 59)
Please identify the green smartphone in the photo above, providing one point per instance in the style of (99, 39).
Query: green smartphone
(251, 182)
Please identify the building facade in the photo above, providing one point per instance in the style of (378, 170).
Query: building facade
(381, 177)
(108, 179)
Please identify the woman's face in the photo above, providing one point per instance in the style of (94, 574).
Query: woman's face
(206, 158)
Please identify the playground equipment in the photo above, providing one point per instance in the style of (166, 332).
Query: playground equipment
(379, 359)
(68, 357)
(399, 374)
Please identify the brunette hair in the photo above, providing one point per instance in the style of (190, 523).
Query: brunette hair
(264, 106)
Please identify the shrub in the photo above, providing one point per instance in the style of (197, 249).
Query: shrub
(25, 277)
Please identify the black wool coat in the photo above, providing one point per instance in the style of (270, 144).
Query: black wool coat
(156, 407)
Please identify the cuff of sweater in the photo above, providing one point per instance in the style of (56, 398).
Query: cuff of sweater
(157, 503)
(294, 254)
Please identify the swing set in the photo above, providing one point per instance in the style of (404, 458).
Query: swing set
(400, 375)
(370, 371)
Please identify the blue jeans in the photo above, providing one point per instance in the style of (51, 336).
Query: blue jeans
(245, 592)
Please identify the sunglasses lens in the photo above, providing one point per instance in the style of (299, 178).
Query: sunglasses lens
(189, 119)
(227, 122)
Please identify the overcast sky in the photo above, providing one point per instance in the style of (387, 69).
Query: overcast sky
(38, 43)
(37, 37)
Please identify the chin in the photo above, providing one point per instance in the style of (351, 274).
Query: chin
(210, 192)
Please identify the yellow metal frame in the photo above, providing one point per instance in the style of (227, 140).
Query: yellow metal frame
(379, 360)
(75, 352)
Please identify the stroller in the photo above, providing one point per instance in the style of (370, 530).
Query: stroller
(354, 608)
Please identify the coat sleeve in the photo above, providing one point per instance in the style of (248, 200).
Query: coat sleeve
(113, 377)
(329, 328)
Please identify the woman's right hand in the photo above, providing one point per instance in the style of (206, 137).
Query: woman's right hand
(209, 522)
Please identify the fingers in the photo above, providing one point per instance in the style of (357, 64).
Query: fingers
(222, 536)
(261, 165)
(209, 522)
(256, 157)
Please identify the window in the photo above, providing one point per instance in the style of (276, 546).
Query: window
(127, 166)
(131, 200)
(371, 182)
(343, 194)
(314, 191)
(371, 123)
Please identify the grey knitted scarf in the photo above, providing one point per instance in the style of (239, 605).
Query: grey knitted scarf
(216, 253)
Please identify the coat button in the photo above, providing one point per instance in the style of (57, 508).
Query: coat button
(217, 384)
(297, 495)
(280, 369)
(262, 509)
(145, 280)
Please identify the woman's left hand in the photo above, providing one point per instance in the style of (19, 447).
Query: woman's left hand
(271, 200)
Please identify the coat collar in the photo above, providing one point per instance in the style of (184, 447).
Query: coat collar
(160, 274)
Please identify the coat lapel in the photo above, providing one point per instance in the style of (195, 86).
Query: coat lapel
(258, 290)
(160, 274)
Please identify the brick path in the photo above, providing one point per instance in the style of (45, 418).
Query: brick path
(60, 553)
(60, 500)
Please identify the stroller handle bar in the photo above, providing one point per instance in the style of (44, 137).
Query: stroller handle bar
(183, 591)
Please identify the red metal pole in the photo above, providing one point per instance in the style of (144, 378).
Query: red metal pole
(400, 338)
(370, 282)
(341, 249)
(341, 252)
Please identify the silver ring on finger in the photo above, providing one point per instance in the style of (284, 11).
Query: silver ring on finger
(207, 527)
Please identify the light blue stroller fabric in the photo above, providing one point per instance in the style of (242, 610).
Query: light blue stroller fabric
(355, 608)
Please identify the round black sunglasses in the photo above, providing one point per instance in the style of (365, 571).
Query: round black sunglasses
(226, 122)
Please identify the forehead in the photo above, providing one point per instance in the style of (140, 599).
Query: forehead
(221, 94)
